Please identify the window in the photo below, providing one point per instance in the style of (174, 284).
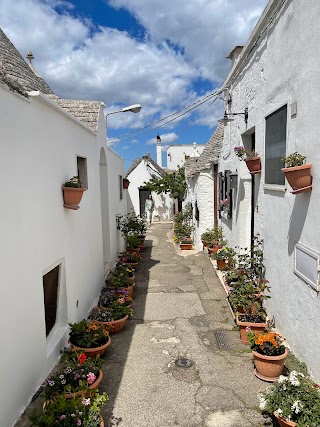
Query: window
(275, 146)
(82, 171)
(50, 294)
(121, 186)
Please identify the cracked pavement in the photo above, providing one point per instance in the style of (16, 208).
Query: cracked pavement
(178, 304)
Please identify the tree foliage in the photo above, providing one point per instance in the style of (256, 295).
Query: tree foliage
(173, 184)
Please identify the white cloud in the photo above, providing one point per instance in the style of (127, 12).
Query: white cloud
(166, 138)
(80, 60)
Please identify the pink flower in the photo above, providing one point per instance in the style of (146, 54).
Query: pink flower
(91, 377)
(62, 417)
(78, 422)
(86, 402)
(248, 329)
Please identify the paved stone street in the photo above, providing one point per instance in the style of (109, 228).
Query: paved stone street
(179, 305)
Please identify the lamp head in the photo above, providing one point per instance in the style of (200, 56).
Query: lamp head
(225, 119)
(135, 108)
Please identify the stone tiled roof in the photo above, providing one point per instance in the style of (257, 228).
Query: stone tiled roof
(151, 162)
(209, 155)
(15, 72)
(85, 111)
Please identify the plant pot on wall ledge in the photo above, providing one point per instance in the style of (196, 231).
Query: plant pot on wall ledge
(125, 183)
(254, 165)
(72, 197)
(299, 178)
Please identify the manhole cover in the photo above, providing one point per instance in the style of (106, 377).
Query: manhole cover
(182, 362)
(228, 340)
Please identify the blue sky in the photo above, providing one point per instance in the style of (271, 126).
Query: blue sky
(162, 54)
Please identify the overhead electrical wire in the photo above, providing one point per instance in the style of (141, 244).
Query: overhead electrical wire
(188, 108)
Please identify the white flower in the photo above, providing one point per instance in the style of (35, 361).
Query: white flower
(293, 378)
(86, 402)
(297, 406)
(262, 402)
(282, 379)
(279, 411)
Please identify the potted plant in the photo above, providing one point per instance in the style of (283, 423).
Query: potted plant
(293, 399)
(122, 269)
(224, 204)
(114, 317)
(186, 243)
(252, 159)
(125, 183)
(108, 297)
(128, 258)
(297, 173)
(120, 283)
(223, 256)
(268, 353)
(72, 193)
(133, 242)
(75, 377)
(89, 337)
(79, 411)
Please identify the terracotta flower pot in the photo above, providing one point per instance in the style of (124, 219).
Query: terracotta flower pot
(213, 250)
(254, 165)
(133, 250)
(92, 352)
(283, 422)
(185, 246)
(132, 264)
(268, 368)
(142, 248)
(72, 197)
(116, 325)
(221, 264)
(299, 178)
(125, 184)
(205, 244)
(91, 387)
(254, 327)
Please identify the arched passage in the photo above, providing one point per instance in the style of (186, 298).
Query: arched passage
(105, 208)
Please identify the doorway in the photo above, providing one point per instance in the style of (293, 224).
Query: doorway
(143, 195)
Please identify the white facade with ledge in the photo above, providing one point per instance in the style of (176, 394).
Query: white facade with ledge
(178, 154)
(281, 69)
(40, 145)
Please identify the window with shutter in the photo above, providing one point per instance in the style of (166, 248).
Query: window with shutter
(50, 294)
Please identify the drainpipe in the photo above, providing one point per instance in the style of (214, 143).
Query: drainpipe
(215, 194)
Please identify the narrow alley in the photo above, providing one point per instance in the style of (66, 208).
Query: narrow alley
(179, 309)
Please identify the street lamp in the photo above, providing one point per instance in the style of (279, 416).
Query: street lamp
(135, 108)
(227, 119)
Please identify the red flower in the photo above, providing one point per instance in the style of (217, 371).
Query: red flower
(82, 358)
(316, 385)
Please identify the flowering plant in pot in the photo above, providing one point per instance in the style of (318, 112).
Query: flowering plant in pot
(108, 297)
(293, 399)
(76, 375)
(89, 337)
(224, 204)
(297, 173)
(131, 258)
(133, 242)
(120, 283)
(131, 223)
(186, 243)
(269, 354)
(79, 411)
(223, 257)
(114, 317)
(72, 193)
(251, 158)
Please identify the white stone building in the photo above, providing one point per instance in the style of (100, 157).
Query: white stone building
(276, 77)
(178, 154)
(201, 176)
(45, 140)
(141, 171)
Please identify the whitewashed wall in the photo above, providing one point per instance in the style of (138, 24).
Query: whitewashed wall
(39, 146)
(163, 204)
(176, 154)
(200, 189)
(282, 69)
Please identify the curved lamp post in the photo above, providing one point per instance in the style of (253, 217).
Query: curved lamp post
(135, 108)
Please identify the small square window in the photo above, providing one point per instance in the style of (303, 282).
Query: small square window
(82, 171)
(121, 186)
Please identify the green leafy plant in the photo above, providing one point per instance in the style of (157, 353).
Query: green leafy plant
(73, 182)
(128, 257)
(132, 240)
(186, 240)
(88, 334)
(76, 373)
(119, 281)
(131, 224)
(225, 253)
(294, 397)
(267, 343)
(172, 183)
(62, 412)
(244, 154)
(294, 159)
(213, 237)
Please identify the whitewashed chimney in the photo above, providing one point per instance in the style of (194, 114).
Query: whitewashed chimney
(159, 151)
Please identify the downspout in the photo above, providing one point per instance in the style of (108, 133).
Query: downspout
(215, 194)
